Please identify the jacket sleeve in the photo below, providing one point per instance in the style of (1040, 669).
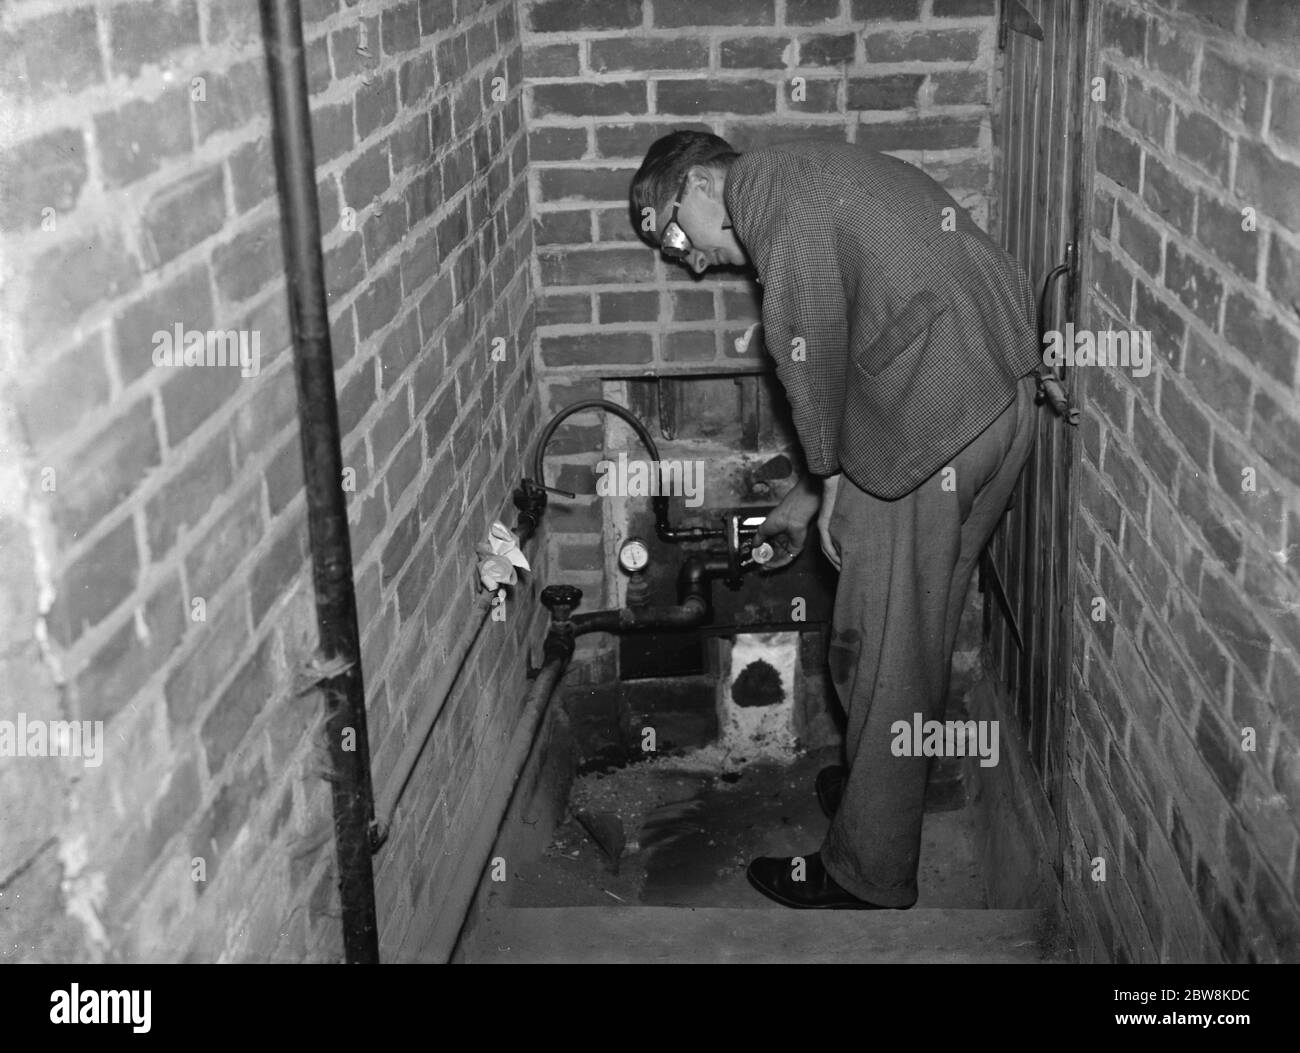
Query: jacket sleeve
(794, 248)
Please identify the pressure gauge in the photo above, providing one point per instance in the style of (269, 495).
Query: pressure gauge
(634, 555)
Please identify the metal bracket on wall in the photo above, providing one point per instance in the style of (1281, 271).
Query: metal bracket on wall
(1016, 19)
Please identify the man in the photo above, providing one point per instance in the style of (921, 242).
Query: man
(906, 342)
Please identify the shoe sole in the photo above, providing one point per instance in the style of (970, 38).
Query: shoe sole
(776, 897)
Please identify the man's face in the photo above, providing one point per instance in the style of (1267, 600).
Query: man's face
(702, 217)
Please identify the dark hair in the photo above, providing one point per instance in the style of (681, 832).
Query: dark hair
(666, 164)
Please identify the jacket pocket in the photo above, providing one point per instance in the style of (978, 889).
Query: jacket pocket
(907, 333)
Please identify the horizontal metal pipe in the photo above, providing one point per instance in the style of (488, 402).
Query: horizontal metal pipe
(462, 886)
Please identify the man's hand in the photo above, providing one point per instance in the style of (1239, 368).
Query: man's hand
(786, 527)
(830, 488)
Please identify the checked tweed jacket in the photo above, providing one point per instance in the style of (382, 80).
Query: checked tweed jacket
(897, 341)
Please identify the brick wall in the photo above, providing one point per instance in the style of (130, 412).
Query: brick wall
(1198, 138)
(604, 80)
(154, 555)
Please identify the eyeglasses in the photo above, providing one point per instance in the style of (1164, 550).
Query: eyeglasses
(674, 243)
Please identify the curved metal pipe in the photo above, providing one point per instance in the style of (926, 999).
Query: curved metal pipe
(695, 608)
(666, 531)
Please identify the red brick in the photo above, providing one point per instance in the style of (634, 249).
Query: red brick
(186, 299)
(58, 53)
(827, 49)
(612, 348)
(932, 45)
(590, 100)
(234, 712)
(959, 88)
(350, 55)
(674, 13)
(367, 177)
(896, 91)
(1172, 51)
(252, 174)
(94, 584)
(74, 276)
(1118, 157)
(405, 467)
(137, 138)
(250, 262)
(811, 12)
(1270, 185)
(1260, 338)
(378, 303)
(716, 96)
(141, 34)
(193, 394)
(689, 345)
(584, 184)
(938, 133)
(1232, 90)
(231, 98)
(551, 60)
(41, 173)
(1168, 195)
(554, 309)
(753, 53)
(596, 266)
(415, 79)
(1146, 109)
(1195, 284)
(105, 471)
(1222, 386)
(1284, 274)
(557, 144)
(383, 229)
(629, 307)
(1203, 143)
(1140, 240)
(223, 546)
(64, 392)
(1125, 31)
(882, 10)
(1275, 433)
(1219, 229)
(401, 28)
(184, 500)
(1222, 537)
(376, 104)
(276, 570)
(111, 678)
(331, 131)
(356, 397)
(183, 214)
(344, 266)
(1272, 23)
(617, 54)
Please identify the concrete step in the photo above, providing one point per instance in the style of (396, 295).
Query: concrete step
(631, 934)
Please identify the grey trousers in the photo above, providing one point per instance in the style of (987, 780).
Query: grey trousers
(906, 566)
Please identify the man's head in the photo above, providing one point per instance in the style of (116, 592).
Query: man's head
(677, 200)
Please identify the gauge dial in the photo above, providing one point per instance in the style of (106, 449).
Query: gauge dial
(634, 555)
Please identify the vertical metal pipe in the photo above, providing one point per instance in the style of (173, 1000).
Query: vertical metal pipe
(322, 458)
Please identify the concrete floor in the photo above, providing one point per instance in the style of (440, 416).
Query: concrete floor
(691, 833)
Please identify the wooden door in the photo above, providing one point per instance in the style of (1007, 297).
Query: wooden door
(1042, 191)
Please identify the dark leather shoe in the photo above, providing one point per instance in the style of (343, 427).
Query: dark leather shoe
(830, 788)
(774, 877)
